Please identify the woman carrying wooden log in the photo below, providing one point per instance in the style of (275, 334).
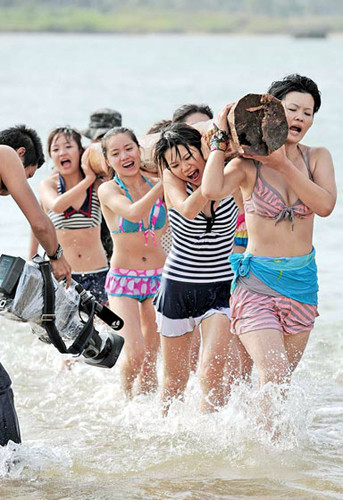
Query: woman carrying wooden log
(274, 297)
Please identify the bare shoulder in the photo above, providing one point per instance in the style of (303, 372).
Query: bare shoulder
(314, 152)
(8, 155)
(108, 188)
(6, 151)
(320, 152)
(319, 158)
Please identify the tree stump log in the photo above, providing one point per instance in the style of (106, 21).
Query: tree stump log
(258, 124)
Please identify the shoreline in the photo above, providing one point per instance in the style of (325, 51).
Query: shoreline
(302, 35)
(40, 18)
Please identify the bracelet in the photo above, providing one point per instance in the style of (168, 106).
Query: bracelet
(219, 140)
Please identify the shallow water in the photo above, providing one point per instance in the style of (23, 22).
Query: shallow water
(81, 438)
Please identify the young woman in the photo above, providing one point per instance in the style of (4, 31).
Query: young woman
(274, 301)
(133, 208)
(195, 286)
(69, 197)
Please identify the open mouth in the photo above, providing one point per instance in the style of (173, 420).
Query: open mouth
(294, 128)
(128, 164)
(194, 175)
(65, 163)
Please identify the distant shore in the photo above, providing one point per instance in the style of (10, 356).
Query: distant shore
(144, 20)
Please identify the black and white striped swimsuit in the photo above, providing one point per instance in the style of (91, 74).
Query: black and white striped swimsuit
(197, 275)
(201, 246)
(89, 215)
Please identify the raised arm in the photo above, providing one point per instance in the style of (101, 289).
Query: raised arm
(220, 181)
(111, 196)
(176, 196)
(60, 202)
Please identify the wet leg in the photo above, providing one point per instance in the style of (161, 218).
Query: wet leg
(176, 367)
(216, 337)
(268, 352)
(295, 346)
(148, 376)
(195, 348)
(239, 366)
(132, 356)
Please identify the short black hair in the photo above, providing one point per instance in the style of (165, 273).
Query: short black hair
(21, 136)
(182, 113)
(177, 134)
(296, 83)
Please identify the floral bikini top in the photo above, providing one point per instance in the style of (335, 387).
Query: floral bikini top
(157, 217)
(267, 202)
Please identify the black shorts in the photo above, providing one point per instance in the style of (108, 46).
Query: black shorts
(177, 299)
(94, 282)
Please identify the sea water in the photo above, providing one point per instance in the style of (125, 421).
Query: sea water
(81, 438)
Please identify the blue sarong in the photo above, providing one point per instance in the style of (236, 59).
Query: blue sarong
(293, 277)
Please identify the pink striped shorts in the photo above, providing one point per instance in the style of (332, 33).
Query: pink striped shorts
(253, 311)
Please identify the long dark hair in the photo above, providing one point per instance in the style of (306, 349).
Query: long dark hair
(177, 134)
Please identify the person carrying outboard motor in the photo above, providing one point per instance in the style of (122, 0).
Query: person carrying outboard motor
(21, 154)
(28, 293)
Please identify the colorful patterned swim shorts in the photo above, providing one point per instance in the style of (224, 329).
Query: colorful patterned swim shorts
(137, 284)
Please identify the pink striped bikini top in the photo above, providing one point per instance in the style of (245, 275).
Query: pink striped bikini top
(267, 202)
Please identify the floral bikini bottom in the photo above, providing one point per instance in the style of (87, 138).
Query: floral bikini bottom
(137, 284)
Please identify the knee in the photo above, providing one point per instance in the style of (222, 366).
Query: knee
(279, 373)
(175, 381)
(135, 356)
(152, 343)
(211, 366)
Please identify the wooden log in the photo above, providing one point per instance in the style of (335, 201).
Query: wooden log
(258, 124)
(97, 161)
